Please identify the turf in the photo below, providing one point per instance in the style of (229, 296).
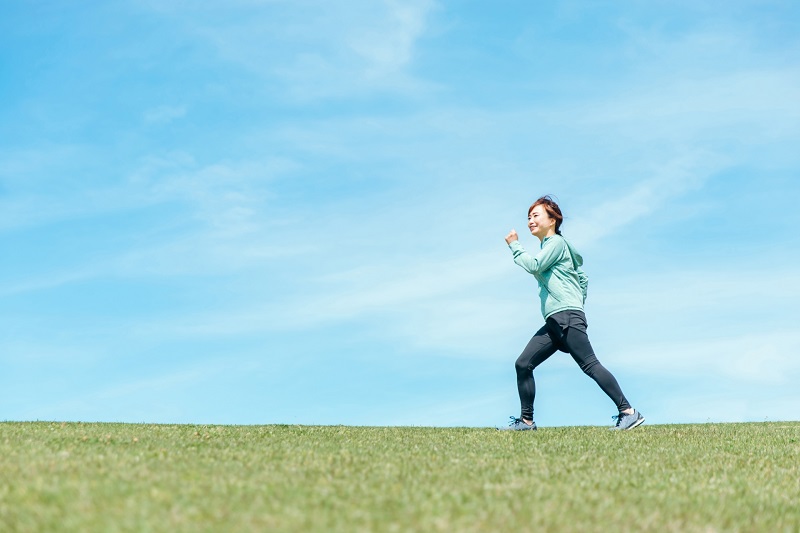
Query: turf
(139, 477)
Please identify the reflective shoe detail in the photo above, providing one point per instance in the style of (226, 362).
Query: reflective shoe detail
(517, 424)
(628, 421)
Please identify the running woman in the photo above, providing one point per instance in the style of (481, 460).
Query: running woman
(562, 290)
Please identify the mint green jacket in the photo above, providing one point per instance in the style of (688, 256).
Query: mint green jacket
(557, 268)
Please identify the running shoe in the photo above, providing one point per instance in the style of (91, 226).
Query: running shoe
(628, 421)
(517, 424)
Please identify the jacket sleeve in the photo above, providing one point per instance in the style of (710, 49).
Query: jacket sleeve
(583, 281)
(547, 256)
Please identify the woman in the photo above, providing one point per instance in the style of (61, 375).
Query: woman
(562, 290)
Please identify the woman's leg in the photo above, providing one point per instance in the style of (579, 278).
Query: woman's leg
(539, 348)
(576, 341)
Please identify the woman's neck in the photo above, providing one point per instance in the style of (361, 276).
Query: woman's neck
(550, 233)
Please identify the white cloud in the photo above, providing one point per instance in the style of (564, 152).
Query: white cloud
(463, 411)
(701, 322)
(393, 228)
(768, 356)
(687, 173)
(44, 282)
(767, 98)
(317, 50)
(395, 289)
(218, 218)
(676, 295)
(389, 46)
(132, 400)
(164, 114)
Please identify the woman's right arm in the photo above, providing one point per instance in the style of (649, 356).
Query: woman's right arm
(547, 256)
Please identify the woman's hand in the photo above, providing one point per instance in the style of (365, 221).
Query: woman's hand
(512, 236)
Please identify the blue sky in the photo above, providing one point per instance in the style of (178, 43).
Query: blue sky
(256, 212)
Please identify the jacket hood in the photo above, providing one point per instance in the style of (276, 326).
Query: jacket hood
(577, 258)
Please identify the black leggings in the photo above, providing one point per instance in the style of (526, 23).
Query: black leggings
(564, 331)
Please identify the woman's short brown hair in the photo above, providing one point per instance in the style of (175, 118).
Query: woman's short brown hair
(553, 211)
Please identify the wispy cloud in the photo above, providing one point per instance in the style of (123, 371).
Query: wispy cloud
(352, 168)
(685, 174)
(394, 289)
(132, 400)
(212, 218)
(380, 48)
(164, 114)
(701, 322)
(389, 46)
(50, 281)
(760, 97)
(767, 356)
(317, 51)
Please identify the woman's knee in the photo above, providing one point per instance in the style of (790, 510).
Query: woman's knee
(589, 367)
(522, 365)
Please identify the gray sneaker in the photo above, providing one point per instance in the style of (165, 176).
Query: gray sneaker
(517, 424)
(628, 421)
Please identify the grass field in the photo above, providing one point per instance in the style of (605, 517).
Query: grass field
(139, 477)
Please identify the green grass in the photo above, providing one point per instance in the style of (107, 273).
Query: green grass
(131, 477)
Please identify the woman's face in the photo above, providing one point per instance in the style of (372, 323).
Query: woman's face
(540, 223)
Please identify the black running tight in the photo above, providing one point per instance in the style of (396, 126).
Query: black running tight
(565, 331)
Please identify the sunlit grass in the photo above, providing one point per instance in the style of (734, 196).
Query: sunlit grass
(131, 477)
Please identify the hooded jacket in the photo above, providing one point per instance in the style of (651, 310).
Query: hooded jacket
(557, 268)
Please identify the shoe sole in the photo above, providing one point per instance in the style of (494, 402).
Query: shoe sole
(636, 424)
